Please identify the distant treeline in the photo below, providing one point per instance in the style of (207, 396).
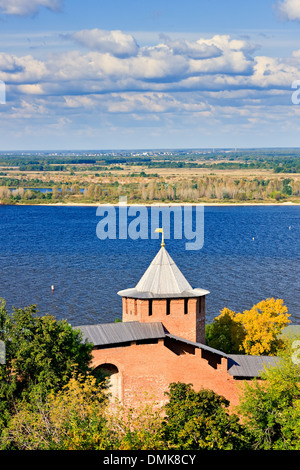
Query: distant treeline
(279, 162)
(197, 190)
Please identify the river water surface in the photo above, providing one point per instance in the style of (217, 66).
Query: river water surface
(250, 253)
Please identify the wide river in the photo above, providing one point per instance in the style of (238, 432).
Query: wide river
(250, 253)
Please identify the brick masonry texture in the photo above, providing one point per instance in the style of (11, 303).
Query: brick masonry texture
(149, 368)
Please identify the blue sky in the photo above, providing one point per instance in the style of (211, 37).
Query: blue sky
(160, 74)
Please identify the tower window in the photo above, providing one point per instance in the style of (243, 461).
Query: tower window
(168, 306)
(186, 302)
(150, 308)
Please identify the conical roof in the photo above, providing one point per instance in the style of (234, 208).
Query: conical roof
(162, 279)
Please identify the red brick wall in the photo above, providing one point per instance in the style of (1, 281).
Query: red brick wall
(190, 325)
(150, 368)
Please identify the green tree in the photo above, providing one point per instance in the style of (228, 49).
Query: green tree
(55, 193)
(270, 408)
(138, 428)
(200, 420)
(225, 333)
(40, 351)
(73, 418)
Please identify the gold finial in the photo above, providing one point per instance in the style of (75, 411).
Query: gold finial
(161, 230)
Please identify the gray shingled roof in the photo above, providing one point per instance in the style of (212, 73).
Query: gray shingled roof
(162, 279)
(115, 333)
(197, 345)
(249, 366)
(108, 334)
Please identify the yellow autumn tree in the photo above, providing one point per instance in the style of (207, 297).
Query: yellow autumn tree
(263, 324)
(254, 332)
(71, 419)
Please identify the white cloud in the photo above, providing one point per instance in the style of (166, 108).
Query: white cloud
(175, 82)
(289, 9)
(233, 59)
(171, 66)
(23, 70)
(115, 43)
(9, 63)
(151, 102)
(192, 49)
(270, 72)
(27, 7)
(33, 89)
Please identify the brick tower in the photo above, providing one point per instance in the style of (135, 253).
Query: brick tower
(164, 295)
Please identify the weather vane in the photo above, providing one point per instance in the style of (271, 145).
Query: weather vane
(161, 230)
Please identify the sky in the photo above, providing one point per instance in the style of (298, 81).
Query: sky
(131, 74)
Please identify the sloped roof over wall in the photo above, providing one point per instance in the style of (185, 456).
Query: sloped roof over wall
(116, 333)
(110, 334)
(197, 345)
(249, 366)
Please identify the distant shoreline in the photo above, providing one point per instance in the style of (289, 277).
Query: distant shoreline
(159, 204)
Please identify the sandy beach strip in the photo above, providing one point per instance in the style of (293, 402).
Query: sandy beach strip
(160, 204)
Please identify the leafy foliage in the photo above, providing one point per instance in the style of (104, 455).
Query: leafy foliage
(200, 420)
(70, 419)
(254, 332)
(49, 398)
(225, 333)
(263, 323)
(271, 408)
(40, 352)
(138, 428)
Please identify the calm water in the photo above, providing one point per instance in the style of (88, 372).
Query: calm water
(43, 245)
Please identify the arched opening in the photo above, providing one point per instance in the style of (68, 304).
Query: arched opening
(111, 373)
